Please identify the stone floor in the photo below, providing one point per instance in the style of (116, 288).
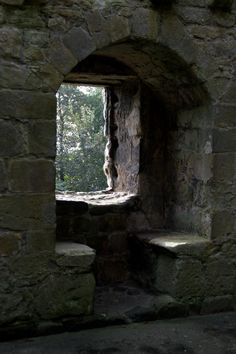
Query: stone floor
(127, 302)
(212, 334)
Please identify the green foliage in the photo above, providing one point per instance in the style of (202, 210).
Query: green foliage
(80, 139)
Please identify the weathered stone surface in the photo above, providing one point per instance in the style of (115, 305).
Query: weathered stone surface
(61, 58)
(12, 2)
(172, 34)
(65, 295)
(219, 277)
(217, 304)
(177, 243)
(27, 105)
(95, 21)
(145, 24)
(10, 42)
(220, 4)
(75, 255)
(40, 241)
(70, 207)
(224, 116)
(17, 77)
(223, 224)
(9, 243)
(29, 267)
(111, 222)
(80, 43)
(224, 140)
(117, 27)
(42, 138)
(224, 167)
(186, 177)
(32, 176)
(27, 212)
(12, 139)
(3, 180)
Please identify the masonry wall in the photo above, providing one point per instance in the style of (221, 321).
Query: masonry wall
(186, 56)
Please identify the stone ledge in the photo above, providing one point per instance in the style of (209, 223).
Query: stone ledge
(178, 243)
(70, 254)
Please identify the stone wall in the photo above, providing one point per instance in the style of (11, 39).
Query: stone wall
(185, 54)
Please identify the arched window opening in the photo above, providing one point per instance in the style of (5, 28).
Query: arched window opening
(80, 138)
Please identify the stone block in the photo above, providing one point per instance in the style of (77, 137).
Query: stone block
(83, 225)
(116, 243)
(223, 224)
(3, 177)
(70, 207)
(75, 255)
(42, 138)
(111, 222)
(117, 27)
(224, 167)
(10, 243)
(181, 278)
(10, 42)
(68, 294)
(137, 221)
(12, 139)
(17, 76)
(29, 267)
(225, 5)
(220, 279)
(145, 24)
(95, 21)
(15, 305)
(217, 304)
(224, 140)
(165, 274)
(27, 105)
(63, 229)
(190, 282)
(36, 176)
(224, 116)
(40, 241)
(61, 57)
(173, 35)
(224, 195)
(163, 3)
(229, 93)
(112, 269)
(22, 212)
(79, 42)
(12, 2)
(2, 15)
(49, 76)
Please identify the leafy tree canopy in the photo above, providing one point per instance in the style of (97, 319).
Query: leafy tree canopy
(80, 139)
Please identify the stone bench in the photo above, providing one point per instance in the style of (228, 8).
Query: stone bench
(71, 254)
(171, 263)
(69, 290)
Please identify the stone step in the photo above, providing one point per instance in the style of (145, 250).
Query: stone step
(170, 263)
(71, 254)
(178, 243)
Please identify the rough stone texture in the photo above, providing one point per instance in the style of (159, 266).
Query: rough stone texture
(75, 255)
(65, 295)
(173, 263)
(32, 176)
(3, 181)
(15, 134)
(221, 4)
(9, 243)
(184, 59)
(102, 225)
